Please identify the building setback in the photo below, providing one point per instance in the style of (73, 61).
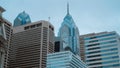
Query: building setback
(30, 45)
(102, 50)
(64, 59)
(5, 36)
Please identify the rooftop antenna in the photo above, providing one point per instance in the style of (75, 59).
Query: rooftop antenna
(67, 8)
(48, 18)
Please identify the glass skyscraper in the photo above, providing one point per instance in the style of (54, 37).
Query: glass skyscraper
(68, 40)
(102, 50)
(69, 34)
(64, 59)
(22, 19)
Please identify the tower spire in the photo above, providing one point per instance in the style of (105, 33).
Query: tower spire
(67, 8)
(24, 11)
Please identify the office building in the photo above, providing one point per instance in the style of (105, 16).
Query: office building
(30, 45)
(64, 59)
(102, 50)
(68, 39)
(5, 36)
(58, 43)
(22, 19)
(82, 45)
(69, 33)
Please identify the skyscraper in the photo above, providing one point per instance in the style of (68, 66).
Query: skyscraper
(30, 45)
(69, 34)
(102, 50)
(68, 39)
(2, 41)
(5, 36)
(22, 19)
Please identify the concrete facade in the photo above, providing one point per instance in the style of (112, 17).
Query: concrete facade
(82, 47)
(30, 45)
(5, 36)
(102, 50)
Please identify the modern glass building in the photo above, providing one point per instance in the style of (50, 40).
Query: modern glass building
(22, 19)
(64, 59)
(69, 34)
(102, 50)
(68, 40)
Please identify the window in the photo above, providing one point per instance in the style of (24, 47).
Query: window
(92, 37)
(94, 48)
(109, 42)
(95, 63)
(27, 27)
(113, 57)
(39, 24)
(93, 52)
(106, 35)
(93, 41)
(113, 61)
(93, 56)
(95, 59)
(106, 54)
(32, 26)
(93, 44)
(116, 65)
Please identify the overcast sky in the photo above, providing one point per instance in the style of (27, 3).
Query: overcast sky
(89, 15)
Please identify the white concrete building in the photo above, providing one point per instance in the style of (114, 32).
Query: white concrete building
(102, 50)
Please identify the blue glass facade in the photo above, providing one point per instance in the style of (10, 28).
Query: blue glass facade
(69, 55)
(65, 59)
(102, 50)
(69, 34)
(22, 19)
